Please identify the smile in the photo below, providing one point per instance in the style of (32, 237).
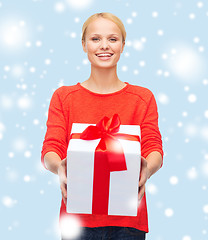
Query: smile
(104, 56)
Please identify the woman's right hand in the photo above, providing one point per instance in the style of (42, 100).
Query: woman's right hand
(62, 173)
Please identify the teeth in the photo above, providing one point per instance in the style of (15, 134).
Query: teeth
(104, 55)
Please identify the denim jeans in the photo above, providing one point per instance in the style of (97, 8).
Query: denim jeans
(110, 233)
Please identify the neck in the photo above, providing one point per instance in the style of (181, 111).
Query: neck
(103, 80)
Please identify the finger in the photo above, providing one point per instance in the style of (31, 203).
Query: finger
(143, 179)
(63, 191)
(141, 192)
(143, 172)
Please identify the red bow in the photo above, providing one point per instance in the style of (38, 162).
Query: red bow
(109, 144)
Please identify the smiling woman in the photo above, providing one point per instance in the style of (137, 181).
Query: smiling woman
(103, 96)
(103, 40)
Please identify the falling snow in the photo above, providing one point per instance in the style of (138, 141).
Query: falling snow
(165, 51)
(169, 212)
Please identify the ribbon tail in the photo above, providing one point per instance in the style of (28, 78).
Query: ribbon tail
(115, 155)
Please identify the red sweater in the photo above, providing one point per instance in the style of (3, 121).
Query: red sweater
(135, 105)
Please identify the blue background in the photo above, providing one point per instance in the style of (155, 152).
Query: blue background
(166, 51)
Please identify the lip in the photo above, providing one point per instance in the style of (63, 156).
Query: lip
(104, 58)
(104, 53)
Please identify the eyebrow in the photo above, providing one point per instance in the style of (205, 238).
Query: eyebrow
(97, 34)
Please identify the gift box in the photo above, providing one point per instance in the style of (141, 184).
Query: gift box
(103, 168)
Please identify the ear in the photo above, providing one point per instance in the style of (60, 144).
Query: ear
(123, 44)
(84, 46)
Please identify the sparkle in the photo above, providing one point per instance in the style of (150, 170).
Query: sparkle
(32, 69)
(38, 43)
(142, 63)
(159, 72)
(128, 43)
(28, 44)
(204, 232)
(85, 61)
(201, 49)
(187, 140)
(7, 68)
(200, 4)
(166, 74)
(129, 20)
(186, 63)
(205, 82)
(169, 212)
(180, 124)
(124, 68)
(152, 188)
(36, 121)
(155, 14)
(77, 19)
(134, 14)
(6, 102)
(136, 72)
(10, 154)
(205, 208)
(173, 51)
(186, 238)
(186, 88)
(173, 180)
(19, 144)
(184, 114)
(160, 32)
(206, 114)
(8, 202)
(164, 56)
(79, 4)
(48, 61)
(192, 173)
(191, 129)
(27, 154)
(73, 35)
(196, 40)
(192, 16)
(17, 71)
(138, 45)
(27, 178)
(70, 227)
(163, 98)
(24, 102)
(59, 7)
(192, 98)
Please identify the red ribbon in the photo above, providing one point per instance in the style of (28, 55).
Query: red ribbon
(109, 157)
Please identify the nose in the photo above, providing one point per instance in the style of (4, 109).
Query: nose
(104, 44)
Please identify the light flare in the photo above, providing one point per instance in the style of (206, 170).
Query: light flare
(13, 33)
(186, 63)
(70, 227)
(79, 4)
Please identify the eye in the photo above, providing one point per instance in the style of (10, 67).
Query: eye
(95, 39)
(113, 39)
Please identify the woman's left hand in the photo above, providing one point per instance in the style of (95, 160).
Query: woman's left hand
(144, 174)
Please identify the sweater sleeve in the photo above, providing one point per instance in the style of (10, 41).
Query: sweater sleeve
(150, 134)
(55, 137)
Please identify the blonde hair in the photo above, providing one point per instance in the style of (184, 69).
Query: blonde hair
(105, 15)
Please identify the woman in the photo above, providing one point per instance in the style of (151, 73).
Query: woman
(104, 94)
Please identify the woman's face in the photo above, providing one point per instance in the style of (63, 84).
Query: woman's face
(103, 43)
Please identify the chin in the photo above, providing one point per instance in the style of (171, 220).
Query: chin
(105, 66)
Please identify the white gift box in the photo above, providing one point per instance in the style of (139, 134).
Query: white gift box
(124, 185)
